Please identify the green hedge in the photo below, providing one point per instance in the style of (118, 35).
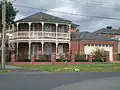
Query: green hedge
(81, 61)
(62, 60)
(24, 60)
(37, 60)
(97, 60)
(80, 58)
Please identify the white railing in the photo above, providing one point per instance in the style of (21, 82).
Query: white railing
(49, 34)
(63, 35)
(39, 35)
(22, 34)
(14, 35)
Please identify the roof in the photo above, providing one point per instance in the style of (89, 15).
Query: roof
(108, 31)
(89, 36)
(38, 17)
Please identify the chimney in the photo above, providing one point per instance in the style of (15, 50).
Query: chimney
(109, 27)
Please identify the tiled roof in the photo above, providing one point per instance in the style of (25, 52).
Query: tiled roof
(38, 17)
(108, 31)
(89, 36)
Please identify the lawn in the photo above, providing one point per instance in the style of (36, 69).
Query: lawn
(3, 71)
(105, 67)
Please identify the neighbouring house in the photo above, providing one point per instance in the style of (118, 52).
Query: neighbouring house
(85, 42)
(111, 33)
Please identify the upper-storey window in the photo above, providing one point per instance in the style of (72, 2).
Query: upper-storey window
(63, 28)
(48, 27)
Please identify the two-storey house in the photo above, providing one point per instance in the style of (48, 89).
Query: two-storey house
(40, 33)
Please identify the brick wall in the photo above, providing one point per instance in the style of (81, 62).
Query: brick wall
(78, 46)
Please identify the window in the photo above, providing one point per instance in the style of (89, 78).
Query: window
(47, 27)
(61, 29)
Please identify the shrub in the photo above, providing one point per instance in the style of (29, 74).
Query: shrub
(99, 54)
(80, 58)
(97, 60)
(63, 58)
(118, 57)
(37, 60)
(24, 60)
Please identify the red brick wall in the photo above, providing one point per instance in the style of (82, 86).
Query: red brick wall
(75, 45)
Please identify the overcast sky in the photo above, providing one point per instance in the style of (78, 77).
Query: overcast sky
(104, 8)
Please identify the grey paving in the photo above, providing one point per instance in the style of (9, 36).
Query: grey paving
(59, 81)
(12, 67)
(112, 83)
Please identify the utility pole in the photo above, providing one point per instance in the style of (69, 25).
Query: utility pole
(3, 34)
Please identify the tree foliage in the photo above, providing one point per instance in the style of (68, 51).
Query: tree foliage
(99, 54)
(10, 13)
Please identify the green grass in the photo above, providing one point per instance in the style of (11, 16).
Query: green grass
(4, 71)
(105, 67)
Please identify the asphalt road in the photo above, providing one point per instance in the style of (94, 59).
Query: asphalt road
(59, 81)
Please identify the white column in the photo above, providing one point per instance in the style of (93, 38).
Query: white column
(42, 29)
(69, 39)
(42, 37)
(69, 30)
(56, 38)
(56, 30)
(56, 48)
(13, 28)
(17, 50)
(29, 48)
(17, 29)
(42, 26)
(17, 42)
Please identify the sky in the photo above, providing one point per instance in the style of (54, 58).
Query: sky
(103, 8)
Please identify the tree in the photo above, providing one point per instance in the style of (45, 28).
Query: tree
(99, 54)
(10, 13)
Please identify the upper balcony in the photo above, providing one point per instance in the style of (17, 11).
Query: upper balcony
(36, 31)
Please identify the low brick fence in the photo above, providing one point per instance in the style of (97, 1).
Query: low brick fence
(51, 59)
(47, 63)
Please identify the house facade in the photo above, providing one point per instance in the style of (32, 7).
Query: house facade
(40, 34)
(85, 43)
(111, 33)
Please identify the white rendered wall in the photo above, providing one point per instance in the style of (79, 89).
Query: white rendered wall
(89, 48)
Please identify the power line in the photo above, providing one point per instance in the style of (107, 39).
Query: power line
(96, 4)
(76, 14)
(93, 3)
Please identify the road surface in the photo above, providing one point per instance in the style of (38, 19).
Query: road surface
(59, 81)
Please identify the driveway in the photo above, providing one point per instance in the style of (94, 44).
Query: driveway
(59, 81)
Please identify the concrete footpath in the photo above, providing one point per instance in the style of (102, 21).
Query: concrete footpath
(12, 67)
